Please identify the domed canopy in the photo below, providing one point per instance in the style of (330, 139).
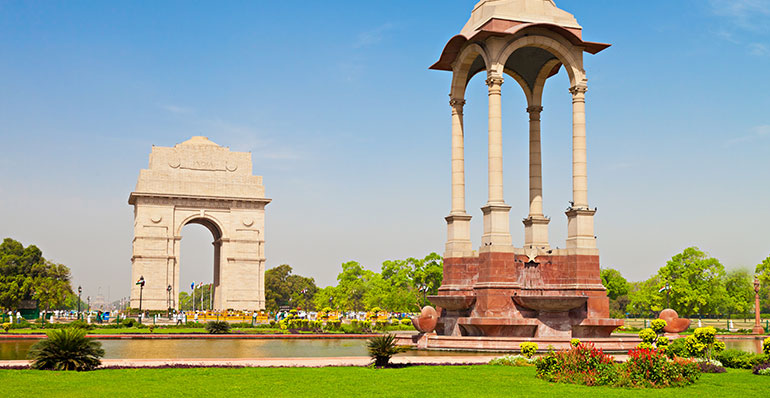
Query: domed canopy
(527, 11)
(509, 17)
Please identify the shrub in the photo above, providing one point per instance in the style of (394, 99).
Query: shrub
(80, 324)
(332, 325)
(658, 325)
(652, 369)
(762, 370)
(707, 367)
(406, 322)
(648, 336)
(766, 346)
(528, 349)
(217, 327)
(66, 349)
(677, 348)
(512, 360)
(128, 322)
(703, 343)
(382, 348)
(151, 328)
(7, 326)
(738, 359)
(583, 364)
(574, 342)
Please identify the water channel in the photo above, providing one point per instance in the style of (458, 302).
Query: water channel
(255, 348)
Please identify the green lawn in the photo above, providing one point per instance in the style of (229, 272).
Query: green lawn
(450, 381)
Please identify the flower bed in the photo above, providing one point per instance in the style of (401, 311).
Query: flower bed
(645, 368)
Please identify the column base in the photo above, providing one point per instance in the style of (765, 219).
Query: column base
(580, 228)
(458, 242)
(536, 232)
(496, 225)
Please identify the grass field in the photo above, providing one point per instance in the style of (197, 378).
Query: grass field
(422, 381)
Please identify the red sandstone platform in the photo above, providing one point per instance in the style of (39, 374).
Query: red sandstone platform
(615, 344)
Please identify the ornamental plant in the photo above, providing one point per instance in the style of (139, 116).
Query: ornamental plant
(582, 364)
(574, 342)
(512, 360)
(217, 327)
(658, 325)
(6, 327)
(528, 349)
(650, 368)
(703, 343)
(66, 349)
(651, 339)
(766, 346)
(382, 348)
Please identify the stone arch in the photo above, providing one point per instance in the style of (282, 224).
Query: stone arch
(462, 73)
(200, 182)
(543, 39)
(542, 77)
(522, 84)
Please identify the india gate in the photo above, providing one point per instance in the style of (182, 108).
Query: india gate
(199, 182)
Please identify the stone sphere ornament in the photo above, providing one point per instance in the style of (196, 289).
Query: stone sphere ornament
(427, 320)
(674, 324)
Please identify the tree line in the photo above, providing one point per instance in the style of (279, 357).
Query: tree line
(400, 286)
(26, 275)
(693, 284)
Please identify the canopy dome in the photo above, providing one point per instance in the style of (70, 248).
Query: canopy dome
(527, 11)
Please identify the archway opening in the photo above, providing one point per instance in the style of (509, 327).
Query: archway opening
(199, 262)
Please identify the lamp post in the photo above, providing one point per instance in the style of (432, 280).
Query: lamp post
(168, 313)
(80, 291)
(757, 323)
(192, 286)
(141, 283)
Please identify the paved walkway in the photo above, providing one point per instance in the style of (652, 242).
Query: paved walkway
(282, 362)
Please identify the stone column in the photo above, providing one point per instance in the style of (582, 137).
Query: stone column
(536, 225)
(579, 166)
(580, 227)
(758, 329)
(458, 222)
(496, 221)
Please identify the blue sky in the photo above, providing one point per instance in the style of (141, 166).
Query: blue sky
(351, 131)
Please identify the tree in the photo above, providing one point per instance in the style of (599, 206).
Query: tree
(614, 282)
(26, 275)
(763, 271)
(284, 288)
(739, 285)
(617, 291)
(696, 282)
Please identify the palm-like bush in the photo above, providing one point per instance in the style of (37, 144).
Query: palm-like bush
(382, 348)
(66, 349)
(218, 327)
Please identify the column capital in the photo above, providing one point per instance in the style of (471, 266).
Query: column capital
(534, 112)
(495, 81)
(456, 102)
(578, 92)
